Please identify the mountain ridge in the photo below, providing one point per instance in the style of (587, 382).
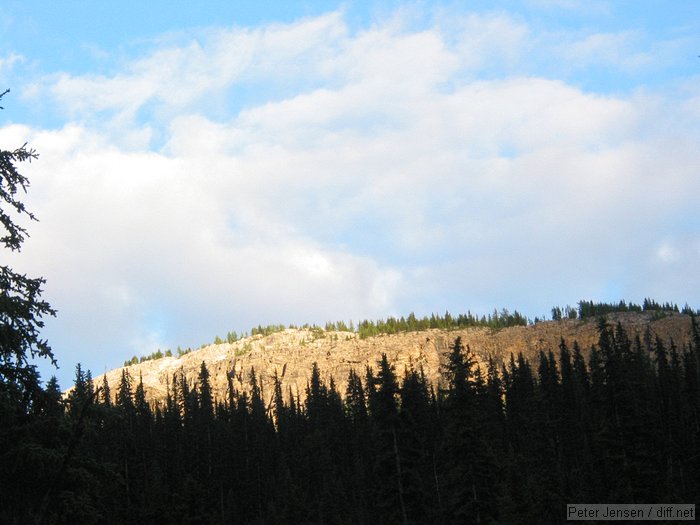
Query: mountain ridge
(290, 354)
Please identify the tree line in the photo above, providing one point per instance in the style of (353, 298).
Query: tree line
(592, 309)
(412, 323)
(510, 443)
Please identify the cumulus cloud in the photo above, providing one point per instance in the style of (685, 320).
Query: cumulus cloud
(9, 61)
(383, 172)
(184, 77)
(608, 48)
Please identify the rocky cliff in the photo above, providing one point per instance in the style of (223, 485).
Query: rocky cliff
(291, 353)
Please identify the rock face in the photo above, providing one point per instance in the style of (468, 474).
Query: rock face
(291, 353)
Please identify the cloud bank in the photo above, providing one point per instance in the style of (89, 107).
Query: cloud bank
(307, 172)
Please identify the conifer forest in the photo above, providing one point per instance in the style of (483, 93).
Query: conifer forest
(510, 444)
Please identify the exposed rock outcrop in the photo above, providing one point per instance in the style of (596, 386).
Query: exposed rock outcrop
(291, 353)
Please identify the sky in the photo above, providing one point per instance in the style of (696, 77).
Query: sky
(210, 166)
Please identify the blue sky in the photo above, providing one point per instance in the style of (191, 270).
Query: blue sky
(217, 165)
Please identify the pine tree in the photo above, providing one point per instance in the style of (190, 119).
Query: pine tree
(205, 423)
(391, 498)
(141, 465)
(575, 424)
(80, 393)
(125, 400)
(691, 390)
(21, 308)
(142, 408)
(106, 392)
(316, 398)
(471, 491)
(53, 404)
(259, 443)
(355, 399)
(22, 313)
(359, 448)
(534, 479)
(125, 406)
(417, 449)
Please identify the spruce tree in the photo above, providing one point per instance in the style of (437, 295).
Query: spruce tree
(417, 448)
(22, 310)
(53, 404)
(205, 424)
(575, 424)
(359, 448)
(391, 497)
(125, 399)
(471, 490)
(106, 392)
(80, 393)
(141, 406)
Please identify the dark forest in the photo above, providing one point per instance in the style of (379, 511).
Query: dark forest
(510, 444)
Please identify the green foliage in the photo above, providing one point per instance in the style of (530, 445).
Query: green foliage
(181, 352)
(158, 354)
(591, 309)
(82, 393)
(392, 325)
(267, 330)
(556, 314)
(339, 326)
(566, 313)
(125, 398)
(247, 348)
(21, 308)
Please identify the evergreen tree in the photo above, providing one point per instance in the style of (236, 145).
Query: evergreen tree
(359, 448)
(80, 393)
(316, 398)
(22, 312)
(355, 399)
(106, 392)
(205, 423)
(575, 424)
(125, 399)
(141, 406)
(391, 497)
(21, 308)
(53, 404)
(417, 449)
(534, 480)
(471, 491)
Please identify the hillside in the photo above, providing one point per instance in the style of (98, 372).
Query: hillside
(291, 353)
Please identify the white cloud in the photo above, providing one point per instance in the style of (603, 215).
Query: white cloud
(491, 40)
(176, 78)
(667, 253)
(584, 6)
(609, 49)
(629, 53)
(386, 176)
(7, 63)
